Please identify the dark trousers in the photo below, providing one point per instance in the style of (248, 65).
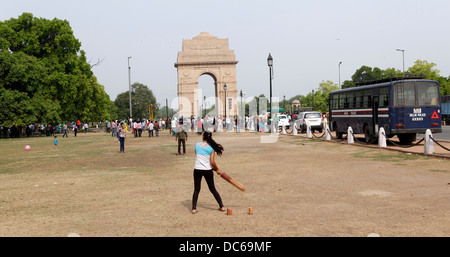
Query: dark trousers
(209, 177)
(122, 144)
(182, 141)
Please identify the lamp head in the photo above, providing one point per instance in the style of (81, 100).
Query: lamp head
(270, 60)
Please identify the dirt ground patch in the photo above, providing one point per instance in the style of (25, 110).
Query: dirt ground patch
(297, 187)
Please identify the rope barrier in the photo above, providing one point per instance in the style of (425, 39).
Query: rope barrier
(375, 139)
(292, 130)
(367, 143)
(319, 136)
(403, 146)
(438, 143)
(329, 132)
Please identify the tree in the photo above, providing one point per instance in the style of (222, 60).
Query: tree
(425, 68)
(366, 73)
(42, 59)
(141, 99)
(328, 86)
(348, 84)
(445, 85)
(430, 72)
(319, 99)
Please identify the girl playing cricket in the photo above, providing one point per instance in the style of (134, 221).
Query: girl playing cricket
(204, 166)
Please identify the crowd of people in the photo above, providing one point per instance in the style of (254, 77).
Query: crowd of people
(139, 127)
(254, 123)
(37, 129)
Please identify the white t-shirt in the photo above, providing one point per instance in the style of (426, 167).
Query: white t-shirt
(203, 153)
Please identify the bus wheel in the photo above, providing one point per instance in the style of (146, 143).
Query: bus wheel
(406, 139)
(367, 136)
(338, 134)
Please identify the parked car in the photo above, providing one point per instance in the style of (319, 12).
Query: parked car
(283, 121)
(314, 119)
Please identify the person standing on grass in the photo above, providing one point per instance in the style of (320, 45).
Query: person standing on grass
(204, 166)
(113, 126)
(156, 128)
(75, 130)
(65, 130)
(122, 137)
(150, 128)
(181, 136)
(135, 128)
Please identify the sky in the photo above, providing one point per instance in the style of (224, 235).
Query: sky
(307, 39)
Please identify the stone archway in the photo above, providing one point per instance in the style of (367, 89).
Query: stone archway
(206, 54)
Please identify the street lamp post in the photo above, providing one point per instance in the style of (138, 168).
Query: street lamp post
(204, 105)
(167, 110)
(225, 89)
(242, 105)
(403, 52)
(270, 64)
(129, 83)
(313, 99)
(340, 74)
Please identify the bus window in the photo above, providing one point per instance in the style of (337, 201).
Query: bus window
(367, 98)
(404, 95)
(428, 94)
(359, 99)
(351, 100)
(341, 101)
(334, 102)
(384, 97)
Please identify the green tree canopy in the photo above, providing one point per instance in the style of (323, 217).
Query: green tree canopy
(141, 99)
(44, 71)
(319, 99)
(430, 72)
(420, 67)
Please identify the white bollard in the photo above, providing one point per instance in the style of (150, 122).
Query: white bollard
(283, 130)
(308, 131)
(350, 139)
(327, 133)
(274, 128)
(220, 125)
(429, 144)
(381, 138)
(294, 131)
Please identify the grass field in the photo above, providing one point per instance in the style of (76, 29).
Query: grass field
(296, 187)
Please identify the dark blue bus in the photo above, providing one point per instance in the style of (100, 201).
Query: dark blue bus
(403, 107)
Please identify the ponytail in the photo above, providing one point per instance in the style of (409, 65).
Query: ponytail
(217, 147)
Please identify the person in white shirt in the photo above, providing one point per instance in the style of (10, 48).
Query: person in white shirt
(204, 166)
(174, 126)
(135, 128)
(150, 129)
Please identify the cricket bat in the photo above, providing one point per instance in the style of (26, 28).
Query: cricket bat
(232, 181)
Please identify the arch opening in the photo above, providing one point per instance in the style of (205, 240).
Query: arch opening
(207, 94)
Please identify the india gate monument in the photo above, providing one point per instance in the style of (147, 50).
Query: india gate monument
(206, 54)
